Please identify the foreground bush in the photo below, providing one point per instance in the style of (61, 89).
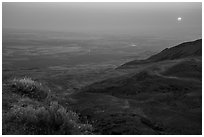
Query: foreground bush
(44, 120)
(30, 88)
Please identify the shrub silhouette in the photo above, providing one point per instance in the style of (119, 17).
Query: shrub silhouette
(28, 87)
(44, 120)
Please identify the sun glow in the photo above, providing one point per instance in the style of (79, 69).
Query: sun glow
(179, 18)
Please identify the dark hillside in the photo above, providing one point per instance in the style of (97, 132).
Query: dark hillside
(187, 49)
(160, 95)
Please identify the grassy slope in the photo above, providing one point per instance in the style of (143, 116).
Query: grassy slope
(146, 102)
(187, 69)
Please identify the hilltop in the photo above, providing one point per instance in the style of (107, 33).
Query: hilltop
(187, 49)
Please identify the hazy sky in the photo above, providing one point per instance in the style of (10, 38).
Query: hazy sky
(137, 18)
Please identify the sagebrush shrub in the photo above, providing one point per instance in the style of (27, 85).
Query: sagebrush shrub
(44, 120)
(28, 87)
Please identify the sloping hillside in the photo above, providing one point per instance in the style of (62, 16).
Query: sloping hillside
(162, 95)
(191, 68)
(187, 49)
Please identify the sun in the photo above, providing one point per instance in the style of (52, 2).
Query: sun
(179, 18)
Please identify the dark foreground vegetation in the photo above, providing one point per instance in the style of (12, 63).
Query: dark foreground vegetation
(159, 95)
(29, 108)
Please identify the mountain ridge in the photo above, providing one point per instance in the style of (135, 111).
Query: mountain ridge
(183, 50)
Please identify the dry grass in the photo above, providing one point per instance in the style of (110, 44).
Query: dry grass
(30, 88)
(34, 112)
(44, 120)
